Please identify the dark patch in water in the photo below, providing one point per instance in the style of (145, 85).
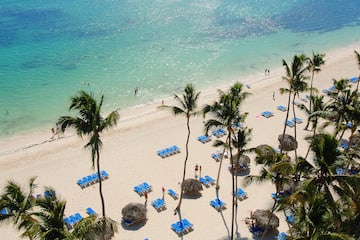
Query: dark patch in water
(321, 16)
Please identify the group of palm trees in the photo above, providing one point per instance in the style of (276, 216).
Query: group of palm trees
(325, 204)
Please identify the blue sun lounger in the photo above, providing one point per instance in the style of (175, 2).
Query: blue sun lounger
(219, 132)
(68, 223)
(204, 182)
(209, 179)
(90, 211)
(281, 108)
(204, 138)
(267, 114)
(354, 80)
(297, 120)
(290, 123)
(182, 227)
(241, 194)
(173, 194)
(216, 156)
(166, 152)
(159, 204)
(218, 204)
(282, 236)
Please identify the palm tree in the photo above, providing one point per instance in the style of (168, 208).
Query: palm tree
(188, 104)
(314, 64)
(19, 205)
(277, 168)
(92, 227)
(226, 112)
(296, 80)
(50, 224)
(89, 122)
(342, 104)
(358, 61)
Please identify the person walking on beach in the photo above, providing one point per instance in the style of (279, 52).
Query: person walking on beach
(196, 170)
(163, 192)
(146, 198)
(274, 95)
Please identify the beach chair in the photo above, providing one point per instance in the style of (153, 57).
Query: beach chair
(267, 114)
(215, 205)
(204, 138)
(297, 120)
(173, 194)
(78, 217)
(90, 211)
(49, 194)
(187, 225)
(256, 230)
(104, 175)
(209, 179)
(281, 108)
(68, 223)
(73, 219)
(215, 156)
(159, 204)
(241, 194)
(147, 187)
(139, 189)
(177, 229)
(354, 80)
(82, 183)
(204, 182)
(218, 204)
(290, 123)
(4, 211)
(282, 236)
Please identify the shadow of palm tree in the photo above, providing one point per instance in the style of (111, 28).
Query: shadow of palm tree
(222, 215)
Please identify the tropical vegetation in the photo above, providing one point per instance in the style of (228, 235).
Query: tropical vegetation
(321, 190)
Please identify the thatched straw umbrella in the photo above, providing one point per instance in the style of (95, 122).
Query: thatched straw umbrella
(287, 142)
(242, 163)
(134, 213)
(263, 152)
(262, 219)
(192, 187)
(355, 141)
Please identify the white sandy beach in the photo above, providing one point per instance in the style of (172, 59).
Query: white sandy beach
(129, 156)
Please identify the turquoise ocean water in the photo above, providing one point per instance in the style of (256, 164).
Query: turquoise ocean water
(50, 49)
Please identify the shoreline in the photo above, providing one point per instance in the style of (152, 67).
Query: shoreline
(25, 139)
(129, 157)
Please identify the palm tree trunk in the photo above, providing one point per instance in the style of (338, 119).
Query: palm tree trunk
(286, 118)
(293, 106)
(233, 188)
(185, 162)
(102, 235)
(311, 93)
(219, 170)
(100, 182)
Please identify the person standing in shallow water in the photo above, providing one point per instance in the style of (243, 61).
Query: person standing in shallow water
(136, 90)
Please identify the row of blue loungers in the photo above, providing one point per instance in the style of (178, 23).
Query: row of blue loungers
(72, 220)
(182, 227)
(166, 152)
(207, 181)
(204, 138)
(92, 179)
(219, 132)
